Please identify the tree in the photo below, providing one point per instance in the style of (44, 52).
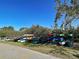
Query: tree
(8, 32)
(69, 8)
(37, 30)
(23, 28)
(8, 28)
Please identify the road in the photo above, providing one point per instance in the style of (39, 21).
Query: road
(14, 52)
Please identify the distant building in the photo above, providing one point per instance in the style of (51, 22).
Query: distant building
(29, 36)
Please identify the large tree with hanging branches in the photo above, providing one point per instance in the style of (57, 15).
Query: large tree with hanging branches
(70, 8)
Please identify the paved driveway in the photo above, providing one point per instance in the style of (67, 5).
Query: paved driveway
(14, 52)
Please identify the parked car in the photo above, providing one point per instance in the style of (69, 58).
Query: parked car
(22, 39)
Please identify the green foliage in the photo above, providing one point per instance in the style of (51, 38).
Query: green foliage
(37, 30)
(7, 28)
(22, 29)
(8, 32)
(69, 8)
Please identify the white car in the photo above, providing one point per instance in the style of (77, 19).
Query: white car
(22, 40)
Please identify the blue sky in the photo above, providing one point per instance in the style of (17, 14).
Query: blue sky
(24, 13)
